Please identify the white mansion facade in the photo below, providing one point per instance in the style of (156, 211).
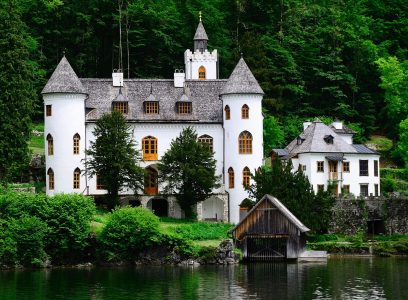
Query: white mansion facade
(226, 114)
(327, 155)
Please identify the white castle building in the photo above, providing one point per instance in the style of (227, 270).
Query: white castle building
(225, 113)
(327, 155)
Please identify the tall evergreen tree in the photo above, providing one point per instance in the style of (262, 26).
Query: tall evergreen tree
(114, 157)
(16, 91)
(188, 171)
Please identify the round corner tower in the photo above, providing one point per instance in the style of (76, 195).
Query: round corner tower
(64, 131)
(243, 133)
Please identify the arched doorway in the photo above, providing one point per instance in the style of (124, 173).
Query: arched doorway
(159, 206)
(213, 209)
(151, 181)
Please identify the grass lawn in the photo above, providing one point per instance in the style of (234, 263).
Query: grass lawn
(201, 233)
(36, 143)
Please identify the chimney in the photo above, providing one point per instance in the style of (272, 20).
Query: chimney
(337, 124)
(117, 77)
(179, 78)
(306, 124)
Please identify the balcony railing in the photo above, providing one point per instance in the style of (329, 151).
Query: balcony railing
(333, 176)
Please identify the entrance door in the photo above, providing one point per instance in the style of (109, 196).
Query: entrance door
(160, 207)
(151, 182)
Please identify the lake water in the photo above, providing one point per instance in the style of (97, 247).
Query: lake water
(339, 278)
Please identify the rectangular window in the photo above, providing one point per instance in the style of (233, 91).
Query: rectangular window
(122, 107)
(363, 167)
(376, 168)
(346, 166)
(303, 168)
(320, 187)
(99, 185)
(364, 190)
(151, 108)
(346, 189)
(184, 108)
(320, 166)
(76, 179)
(48, 110)
(376, 190)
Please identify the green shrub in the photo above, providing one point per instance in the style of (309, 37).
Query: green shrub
(8, 245)
(177, 243)
(68, 218)
(29, 233)
(128, 231)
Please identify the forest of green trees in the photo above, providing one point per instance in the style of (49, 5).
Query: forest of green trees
(345, 59)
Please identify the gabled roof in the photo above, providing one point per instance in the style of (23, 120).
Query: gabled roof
(200, 33)
(242, 81)
(282, 208)
(64, 80)
(313, 141)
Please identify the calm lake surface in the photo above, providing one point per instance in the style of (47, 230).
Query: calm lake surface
(339, 278)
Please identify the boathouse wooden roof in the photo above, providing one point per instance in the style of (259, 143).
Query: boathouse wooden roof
(259, 223)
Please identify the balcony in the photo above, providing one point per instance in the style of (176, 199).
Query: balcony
(333, 176)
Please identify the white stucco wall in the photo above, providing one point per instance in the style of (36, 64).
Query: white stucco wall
(232, 128)
(351, 178)
(165, 133)
(193, 61)
(67, 119)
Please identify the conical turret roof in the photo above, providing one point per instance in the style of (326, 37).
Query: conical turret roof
(64, 80)
(242, 81)
(200, 32)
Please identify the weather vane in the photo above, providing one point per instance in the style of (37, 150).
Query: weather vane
(199, 14)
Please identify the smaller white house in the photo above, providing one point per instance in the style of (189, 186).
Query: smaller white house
(327, 155)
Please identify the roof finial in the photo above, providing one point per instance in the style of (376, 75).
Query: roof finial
(242, 55)
(199, 14)
(151, 88)
(63, 52)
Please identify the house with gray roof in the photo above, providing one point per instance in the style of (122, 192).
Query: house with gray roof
(327, 155)
(226, 114)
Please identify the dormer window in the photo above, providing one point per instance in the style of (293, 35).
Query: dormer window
(151, 107)
(184, 108)
(300, 140)
(328, 139)
(122, 107)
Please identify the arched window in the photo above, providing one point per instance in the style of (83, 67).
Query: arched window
(206, 140)
(50, 142)
(76, 143)
(245, 142)
(77, 176)
(245, 112)
(50, 174)
(227, 112)
(246, 176)
(201, 73)
(149, 145)
(231, 178)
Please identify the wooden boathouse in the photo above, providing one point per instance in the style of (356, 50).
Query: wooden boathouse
(270, 231)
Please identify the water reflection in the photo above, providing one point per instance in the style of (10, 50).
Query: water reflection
(339, 278)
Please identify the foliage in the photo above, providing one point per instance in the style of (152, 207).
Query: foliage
(295, 192)
(272, 134)
(113, 156)
(128, 231)
(17, 93)
(188, 170)
(29, 234)
(388, 184)
(66, 216)
(403, 142)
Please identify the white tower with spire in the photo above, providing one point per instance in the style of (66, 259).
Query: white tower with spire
(64, 131)
(200, 63)
(243, 133)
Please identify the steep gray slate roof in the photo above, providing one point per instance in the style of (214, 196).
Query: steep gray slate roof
(364, 149)
(64, 80)
(313, 137)
(204, 95)
(242, 81)
(200, 33)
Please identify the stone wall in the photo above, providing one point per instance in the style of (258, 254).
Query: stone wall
(352, 215)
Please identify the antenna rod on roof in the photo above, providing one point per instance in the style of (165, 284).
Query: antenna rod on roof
(120, 4)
